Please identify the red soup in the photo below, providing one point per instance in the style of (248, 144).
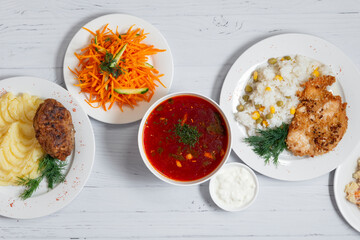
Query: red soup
(185, 138)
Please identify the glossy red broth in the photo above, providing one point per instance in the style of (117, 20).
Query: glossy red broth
(166, 141)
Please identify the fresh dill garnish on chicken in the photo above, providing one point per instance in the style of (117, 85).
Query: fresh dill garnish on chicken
(189, 135)
(269, 143)
(49, 168)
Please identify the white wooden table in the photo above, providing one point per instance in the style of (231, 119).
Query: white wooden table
(122, 199)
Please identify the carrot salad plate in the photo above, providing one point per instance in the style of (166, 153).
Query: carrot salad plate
(117, 66)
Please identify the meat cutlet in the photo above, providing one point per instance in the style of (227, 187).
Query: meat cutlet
(54, 129)
(320, 119)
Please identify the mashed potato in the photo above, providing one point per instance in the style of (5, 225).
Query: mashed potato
(19, 149)
(272, 99)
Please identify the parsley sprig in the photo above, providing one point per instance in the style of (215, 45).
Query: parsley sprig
(49, 168)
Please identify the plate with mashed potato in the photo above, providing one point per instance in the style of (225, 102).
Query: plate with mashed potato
(289, 99)
(32, 145)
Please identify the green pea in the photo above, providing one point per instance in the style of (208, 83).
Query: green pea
(287, 58)
(280, 103)
(269, 116)
(259, 120)
(246, 98)
(272, 61)
(248, 89)
(240, 108)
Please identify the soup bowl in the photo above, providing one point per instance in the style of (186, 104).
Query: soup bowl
(184, 138)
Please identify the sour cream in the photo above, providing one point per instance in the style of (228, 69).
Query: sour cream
(234, 187)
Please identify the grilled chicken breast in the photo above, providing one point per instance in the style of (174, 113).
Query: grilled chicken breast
(54, 129)
(320, 119)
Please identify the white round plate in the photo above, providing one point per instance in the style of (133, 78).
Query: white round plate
(162, 61)
(291, 168)
(343, 176)
(44, 201)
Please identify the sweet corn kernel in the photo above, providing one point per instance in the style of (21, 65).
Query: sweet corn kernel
(255, 115)
(262, 109)
(255, 75)
(316, 72)
(267, 89)
(279, 77)
(272, 109)
(292, 110)
(265, 123)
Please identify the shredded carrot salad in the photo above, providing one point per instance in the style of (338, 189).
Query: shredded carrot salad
(113, 69)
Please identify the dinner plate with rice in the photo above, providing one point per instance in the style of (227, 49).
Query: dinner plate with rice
(265, 94)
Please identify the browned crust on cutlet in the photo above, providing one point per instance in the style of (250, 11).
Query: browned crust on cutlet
(320, 119)
(54, 129)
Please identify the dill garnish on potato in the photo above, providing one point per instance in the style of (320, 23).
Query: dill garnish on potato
(49, 168)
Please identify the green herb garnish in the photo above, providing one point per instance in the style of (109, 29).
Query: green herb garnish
(188, 135)
(49, 168)
(269, 143)
(110, 64)
(30, 186)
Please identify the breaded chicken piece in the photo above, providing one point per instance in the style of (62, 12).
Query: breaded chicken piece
(320, 119)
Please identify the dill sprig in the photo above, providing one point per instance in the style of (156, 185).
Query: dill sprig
(49, 168)
(30, 186)
(52, 169)
(269, 143)
(188, 135)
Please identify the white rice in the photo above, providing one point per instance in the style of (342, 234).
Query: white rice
(294, 72)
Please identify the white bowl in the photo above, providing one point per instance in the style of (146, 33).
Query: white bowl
(154, 170)
(215, 197)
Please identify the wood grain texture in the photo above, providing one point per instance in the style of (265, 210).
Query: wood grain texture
(122, 199)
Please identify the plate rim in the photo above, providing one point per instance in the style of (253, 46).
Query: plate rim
(28, 212)
(67, 79)
(341, 199)
(224, 95)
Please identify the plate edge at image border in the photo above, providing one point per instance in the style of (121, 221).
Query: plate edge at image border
(339, 200)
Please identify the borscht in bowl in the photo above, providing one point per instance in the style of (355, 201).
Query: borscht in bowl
(184, 138)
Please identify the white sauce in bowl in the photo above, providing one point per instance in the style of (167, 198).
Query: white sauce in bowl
(234, 187)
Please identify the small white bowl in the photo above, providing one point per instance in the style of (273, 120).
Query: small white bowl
(159, 174)
(215, 197)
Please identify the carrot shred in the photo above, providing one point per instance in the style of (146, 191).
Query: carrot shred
(135, 73)
(208, 155)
